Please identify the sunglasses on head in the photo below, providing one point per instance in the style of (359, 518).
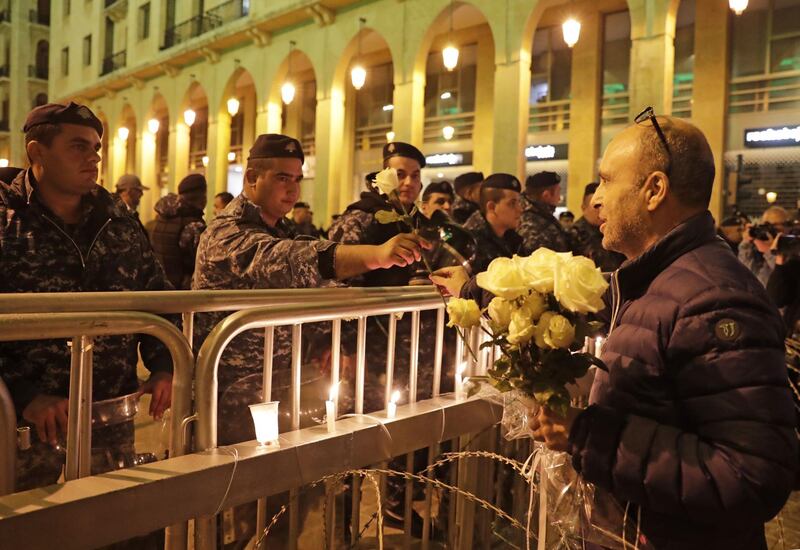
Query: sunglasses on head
(649, 115)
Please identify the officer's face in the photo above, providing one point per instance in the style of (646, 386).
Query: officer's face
(69, 164)
(590, 212)
(132, 198)
(438, 201)
(219, 205)
(276, 188)
(507, 211)
(408, 174)
(301, 215)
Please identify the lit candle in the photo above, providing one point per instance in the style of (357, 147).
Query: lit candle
(330, 407)
(265, 419)
(391, 410)
(460, 381)
(598, 346)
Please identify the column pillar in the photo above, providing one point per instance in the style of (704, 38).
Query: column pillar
(179, 157)
(585, 108)
(483, 131)
(511, 90)
(408, 117)
(217, 148)
(147, 167)
(330, 150)
(652, 57)
(710, 91)
(250, 123)
(262, 116)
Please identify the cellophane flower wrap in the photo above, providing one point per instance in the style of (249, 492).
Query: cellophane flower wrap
(538, 321)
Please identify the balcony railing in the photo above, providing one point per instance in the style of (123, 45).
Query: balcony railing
(40, 72)
(616, 108)
(38, 17)
(761, 93)
(682, 100)
(462, 124)
(201, 24)
(372, 137)
(549, 116)
(114, 62)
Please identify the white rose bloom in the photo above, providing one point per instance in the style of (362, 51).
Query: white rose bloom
(386, 181)
(463, 313)
(534, 306)
(539, 268)
(580, 286)
(500, 313)
(503, 278)
(521, 329)
(553, 331)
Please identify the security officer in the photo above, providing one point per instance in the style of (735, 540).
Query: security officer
(301, 220)
(587, 238)
(247, 246)
(538, 226)
(61, 232)
(501, 208)
(129, 188)
(179, 224)
(468, 189)
(438, 195)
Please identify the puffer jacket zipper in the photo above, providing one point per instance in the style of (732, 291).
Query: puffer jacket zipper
(616, 300)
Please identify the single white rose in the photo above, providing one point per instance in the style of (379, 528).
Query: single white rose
(553, 331)
(534, 305)
(522, 328)
(463, 313)
(580, 286)
(538, 270)
(386, 181)
(500, 313)
(503, 278)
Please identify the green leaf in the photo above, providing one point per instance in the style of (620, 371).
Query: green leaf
(387, 216)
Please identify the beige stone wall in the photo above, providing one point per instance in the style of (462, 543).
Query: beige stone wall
(326, 33)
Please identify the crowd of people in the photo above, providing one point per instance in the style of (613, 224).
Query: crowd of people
(692, 422)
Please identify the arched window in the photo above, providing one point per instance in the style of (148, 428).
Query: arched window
(42, 59)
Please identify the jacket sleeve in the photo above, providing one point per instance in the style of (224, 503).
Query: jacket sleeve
(155, 355)
(351, 227)
(732, 452)
(784, 283)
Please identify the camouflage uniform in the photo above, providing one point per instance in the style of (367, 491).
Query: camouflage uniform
(105, 251)
(475, 222)
(463, 209)
(588, 241)
(539, 228)
(489, 246)
(358, 226)
(239, 251)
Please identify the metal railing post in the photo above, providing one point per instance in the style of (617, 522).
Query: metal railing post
(8, 440)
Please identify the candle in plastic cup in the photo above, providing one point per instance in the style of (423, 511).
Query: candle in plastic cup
(265, 419)
(330, 407)
(460, 381)
(391, 410)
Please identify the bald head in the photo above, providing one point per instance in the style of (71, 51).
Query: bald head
(690, 164)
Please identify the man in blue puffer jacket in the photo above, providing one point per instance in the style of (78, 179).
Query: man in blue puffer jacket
(693, 421)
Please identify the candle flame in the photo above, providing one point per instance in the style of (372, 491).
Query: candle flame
(462, 367)
(395, 397)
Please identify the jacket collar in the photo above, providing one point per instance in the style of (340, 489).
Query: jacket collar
(638, 273)
(538, 206)
(510, 241)
(244, 210)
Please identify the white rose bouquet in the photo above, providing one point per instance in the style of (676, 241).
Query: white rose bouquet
(538, 319)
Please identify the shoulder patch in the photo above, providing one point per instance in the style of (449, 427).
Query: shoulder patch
(727, 330)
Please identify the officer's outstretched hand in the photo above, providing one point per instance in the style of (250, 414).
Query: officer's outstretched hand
(450, 280)
(45, 412)
(403, 249)
(159, 385)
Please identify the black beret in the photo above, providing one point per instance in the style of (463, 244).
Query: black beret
(192, 182)
(590, 189)
(8, 173)
(270, 146)
(467, 180)
(301, 204)
(400, 149)
(566, 214)
(443, 186)
(542, 180)
(55, 113)
(502, 181)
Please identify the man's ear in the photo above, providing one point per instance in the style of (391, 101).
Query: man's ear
(34, 150)
(656, 187)
(251, 177)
